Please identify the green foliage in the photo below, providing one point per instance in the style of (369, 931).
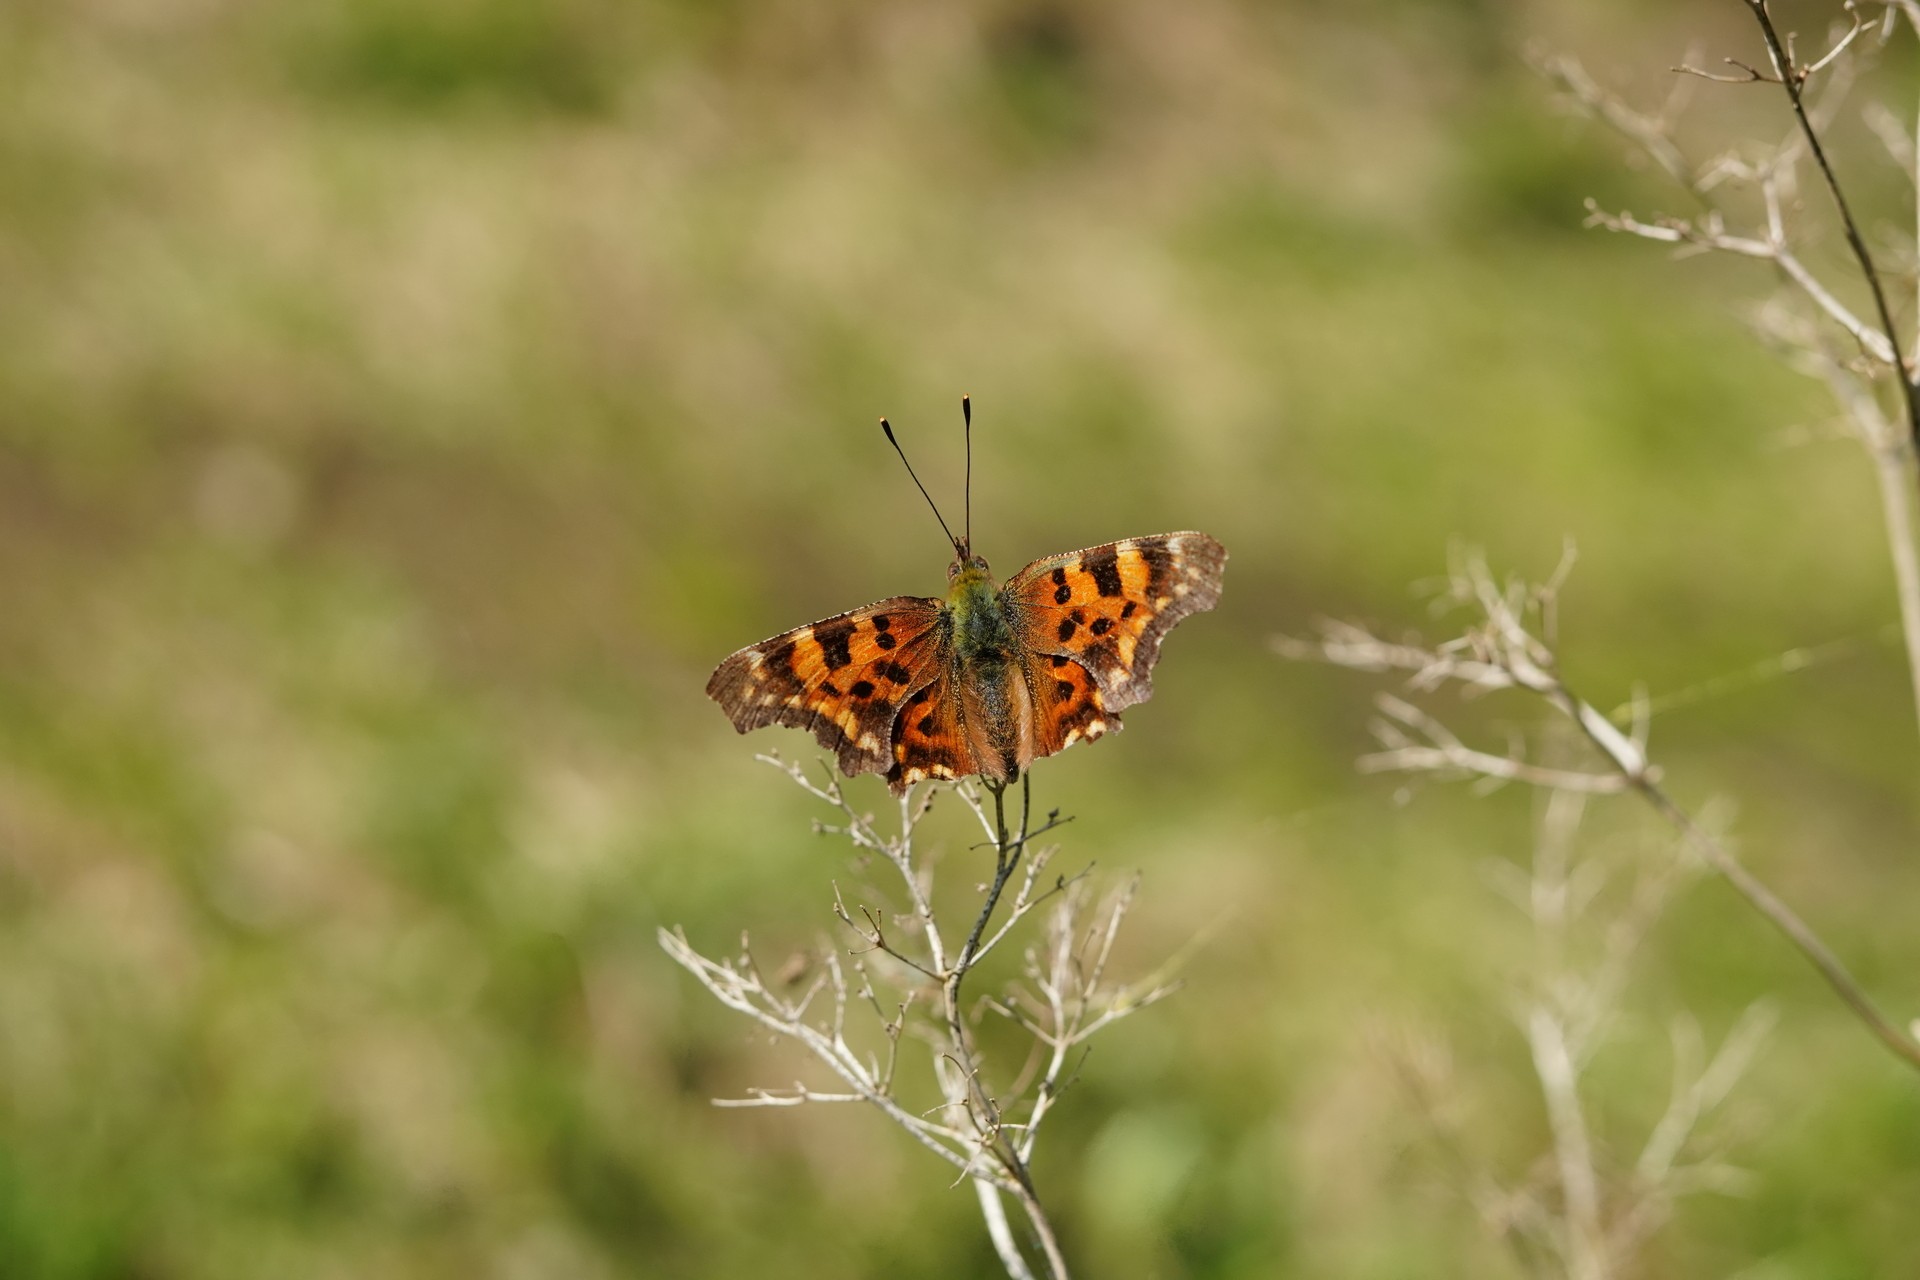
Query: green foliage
(517, 54)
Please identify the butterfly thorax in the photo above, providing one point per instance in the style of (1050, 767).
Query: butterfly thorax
(983, 636)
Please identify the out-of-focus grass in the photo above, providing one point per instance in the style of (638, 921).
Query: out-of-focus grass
(402, 406)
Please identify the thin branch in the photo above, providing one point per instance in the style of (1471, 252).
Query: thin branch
(1001, 1232)
(1584, 1244)
(1446, 754)
(1721, 859)
(1652, 133)
(1894, 471)
(1502, 651)
(1794, 80)
(736, 991)
(1746, 75)
(1709, 233)
(987, 1137)
(1892, 451)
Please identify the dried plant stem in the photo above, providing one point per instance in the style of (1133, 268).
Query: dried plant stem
(1893, 443)
(1506, 651)
(1912, 160)
(1585, 1244)
(1893, 467)
(1008, 846)
(1631, 761)
(1065, 998)
(1577, 1214)
(1000, 1232)
(1892, 447)
(1783, 918)
(1007, 851)
(1793, 79)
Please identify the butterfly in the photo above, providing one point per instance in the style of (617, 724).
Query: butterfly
(988, 679)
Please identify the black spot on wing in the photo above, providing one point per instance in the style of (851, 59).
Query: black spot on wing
(1101, 626)
(1066, 630)
(1104, 567)
(1103, 660)
(896, 674)
(1159, 562)
(863, 688)
(1127, 611)
(836, 644)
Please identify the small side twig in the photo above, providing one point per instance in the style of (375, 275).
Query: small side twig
(1505, 649)
(1793, 77)
(986, 1135)
(1891, 448)
(1573, 1214)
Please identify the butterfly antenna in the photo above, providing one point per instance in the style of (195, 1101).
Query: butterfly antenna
(888, 428)
(966, 412)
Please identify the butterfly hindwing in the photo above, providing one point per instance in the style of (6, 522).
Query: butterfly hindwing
(845, 678)
(930, 740)
(1109, 607)
(1067, 705)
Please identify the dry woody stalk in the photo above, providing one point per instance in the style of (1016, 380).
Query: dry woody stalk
(901, 986)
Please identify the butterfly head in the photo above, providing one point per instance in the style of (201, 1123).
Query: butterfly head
(972, 597)
(966, 565)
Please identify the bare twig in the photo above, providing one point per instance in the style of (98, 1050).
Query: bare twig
(1571, 1214)
(988, 1137)
(1445, 754)
(1505, 649)
(1793, 78)
(1891, 449)
(1709, 233)
(1584, 1244)
(1652, 133)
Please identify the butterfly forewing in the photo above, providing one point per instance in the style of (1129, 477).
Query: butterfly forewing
(1108, 607)
(845, 678)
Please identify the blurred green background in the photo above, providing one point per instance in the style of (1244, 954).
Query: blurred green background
(403, 406)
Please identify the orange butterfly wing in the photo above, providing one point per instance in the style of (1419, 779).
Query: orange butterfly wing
(1067, 705)
(845, 678)
(929, 740)
(1105, 611)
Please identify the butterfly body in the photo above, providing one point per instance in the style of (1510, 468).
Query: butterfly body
(988, 679)
(996, 708)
